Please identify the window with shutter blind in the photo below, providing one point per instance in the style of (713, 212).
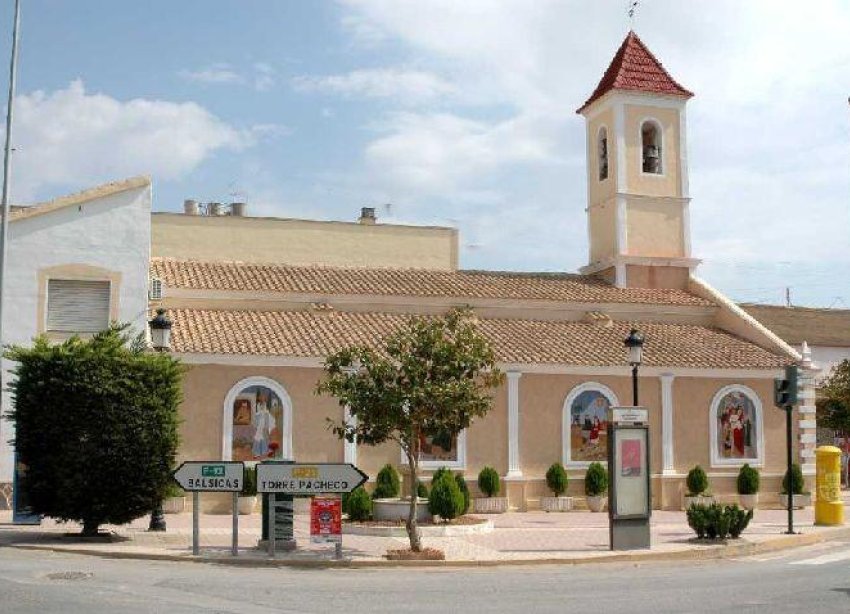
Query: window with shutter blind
(76, 306)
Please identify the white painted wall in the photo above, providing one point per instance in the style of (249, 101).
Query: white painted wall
(111, 232)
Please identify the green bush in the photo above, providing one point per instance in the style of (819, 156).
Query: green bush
(249, 486)
(717, 521)
(439, 473)
(557, 479)
(421, 489)
(488, 481)
(173, 490)
(387, 483)
(697, 481)
(797, 483)
(464, 490)
(359, 504)
(595, 480)
(748, 480)
(96, 424)
(446, 499)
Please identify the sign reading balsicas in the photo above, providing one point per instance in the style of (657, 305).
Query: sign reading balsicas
(309, 479)
(210, 476)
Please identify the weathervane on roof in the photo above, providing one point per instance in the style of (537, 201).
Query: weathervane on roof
(632, 7)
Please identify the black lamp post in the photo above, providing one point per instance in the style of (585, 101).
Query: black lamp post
(160, 329)
(634, 343)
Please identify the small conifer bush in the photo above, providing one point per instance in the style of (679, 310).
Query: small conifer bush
(697, 481)
(421, 490)
(557, 479)
(748, 480)
(359, 505)
(595, 480)
(488, 481)
(797, 483)
(464, 490)
(387, 483)
(440, 473)
(446, 499)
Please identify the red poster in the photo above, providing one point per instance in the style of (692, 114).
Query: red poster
(325, 520)
(630, 458)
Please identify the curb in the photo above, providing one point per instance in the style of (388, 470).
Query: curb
(704, 554)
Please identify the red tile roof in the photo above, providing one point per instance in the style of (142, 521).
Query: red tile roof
(310, 334)
(635, 69)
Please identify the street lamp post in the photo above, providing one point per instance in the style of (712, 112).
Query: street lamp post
(160, 329)
(634, 343)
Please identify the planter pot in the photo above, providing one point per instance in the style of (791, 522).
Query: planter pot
(246, 505)
(749, 502)
(174, 505)
(490, 505)
(698, 500)
(597, 503)
(798, 501)
(398, 509)
(556, 504)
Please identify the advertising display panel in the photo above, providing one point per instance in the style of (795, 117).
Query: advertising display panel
(325, 520)
(630, 474)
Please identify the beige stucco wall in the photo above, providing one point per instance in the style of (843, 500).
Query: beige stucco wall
(655, 228)
(601, 190)
(303, 242)
(666, 184)
(603, 230)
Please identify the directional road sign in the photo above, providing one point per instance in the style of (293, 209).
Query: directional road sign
(309, 479)
(210, 476)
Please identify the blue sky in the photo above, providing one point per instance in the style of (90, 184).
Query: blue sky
(455, 113)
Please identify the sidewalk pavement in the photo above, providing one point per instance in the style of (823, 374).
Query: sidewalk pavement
(517, 538)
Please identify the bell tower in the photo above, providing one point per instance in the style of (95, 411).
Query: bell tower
(637, 173)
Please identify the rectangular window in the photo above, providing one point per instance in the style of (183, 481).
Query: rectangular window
(75, 306)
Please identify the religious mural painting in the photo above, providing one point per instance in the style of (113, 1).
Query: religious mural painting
(736, 427)
(588, 427)
(257, 425)
(440, 447)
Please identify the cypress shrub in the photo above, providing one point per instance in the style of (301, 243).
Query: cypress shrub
(488, 481)
(446, 499)
(697, 481)
(717, 521)
(557, 479)
(464, 490)
(595, 480)
(797, 483)
(439, 473)
(421, 489)
(748, 480)
(359, 504)
(387, 483)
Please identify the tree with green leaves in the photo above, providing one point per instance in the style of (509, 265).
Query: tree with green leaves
(96, 424)
(833, 402)
(431, 377)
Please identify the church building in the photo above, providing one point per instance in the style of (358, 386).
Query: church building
(257, 304)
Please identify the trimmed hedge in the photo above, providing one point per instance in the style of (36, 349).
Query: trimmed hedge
(446, 499)
(748, 480)
(359, 504)
(717, 521)
(557, 479)
(488, 482)
(697, 481)
(421, 490)
(595, 480)
(387, 483)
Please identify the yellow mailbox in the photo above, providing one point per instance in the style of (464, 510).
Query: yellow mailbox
(829, 509)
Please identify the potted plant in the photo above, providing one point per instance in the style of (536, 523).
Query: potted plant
(748, 487)
(387, 483)
(488, 483)
(557, 481)
(387, 504)
(247, 499)
(697, 482)
(596, 486)
(799, 497)
(445, 501)
(175, 499)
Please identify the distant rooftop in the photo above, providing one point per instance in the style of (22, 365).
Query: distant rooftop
(815, 326)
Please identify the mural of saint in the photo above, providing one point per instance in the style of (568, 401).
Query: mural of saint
(257, 422)
(736, 419)
(588, 427)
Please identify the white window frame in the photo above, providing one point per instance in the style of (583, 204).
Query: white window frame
(718, 461)
(227, 415)
(603, 128)
(460, 463)
(663, 161)
(71, 278)
(566, 443)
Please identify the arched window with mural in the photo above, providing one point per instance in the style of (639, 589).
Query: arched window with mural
(651, 150)
(585, 422)
(736, 427)
(257, 421)
(602, 152)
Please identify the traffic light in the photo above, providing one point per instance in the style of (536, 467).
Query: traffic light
(785, 390)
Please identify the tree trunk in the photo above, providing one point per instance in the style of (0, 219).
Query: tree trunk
(413, 463)
(90, 527)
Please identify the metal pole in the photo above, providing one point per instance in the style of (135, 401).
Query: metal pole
(635, 385)
(196, 522)
(7, 167)
(788, 411)
(338, 550)
(234, 549)
(271, 535)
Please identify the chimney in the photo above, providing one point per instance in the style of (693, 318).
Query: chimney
(213, 209)
(367, 215)
(190, 207)
(238, 209)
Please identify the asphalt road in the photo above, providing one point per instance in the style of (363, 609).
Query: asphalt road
(813, 579)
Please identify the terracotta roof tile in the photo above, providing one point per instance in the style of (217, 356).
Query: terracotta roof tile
(310, 334)
(635, 68)
(564, 287)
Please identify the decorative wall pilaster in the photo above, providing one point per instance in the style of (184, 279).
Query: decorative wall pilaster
(667, 460)
(514, 470)
(807, 431)
(350, 449)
